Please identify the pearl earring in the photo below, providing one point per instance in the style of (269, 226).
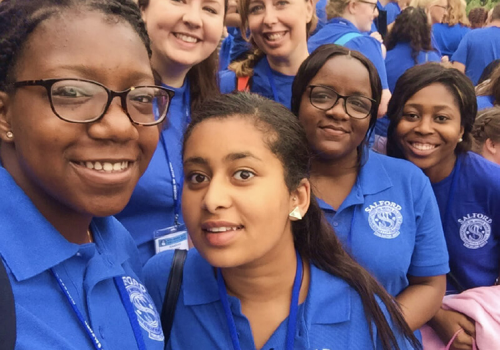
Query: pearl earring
(10, 134)
(460, 139)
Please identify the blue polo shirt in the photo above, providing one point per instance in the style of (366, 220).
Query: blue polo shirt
(30, 247)
(390, 223)
(477, 49)
(447, 38)
(484, 102)
(332, 317)
(471, 220)
(260, 83)
(393, 11)
(151, 206)
(368, 46)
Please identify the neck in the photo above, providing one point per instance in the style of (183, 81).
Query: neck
(384, 2)
(442, 170)
(494, 23)
(71, 224)
(268, 280)
(335, 168)
(289, 65)
(350, 18)
(171, 73)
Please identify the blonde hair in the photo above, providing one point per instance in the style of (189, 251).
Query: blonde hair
(456, 13)
(336, 8)
(244, 67)
(424, 4)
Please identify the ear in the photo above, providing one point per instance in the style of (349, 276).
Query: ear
(5, 126)
(461, 132)
(491, 147)
(351, 7)
(300, 198)
(311, 9)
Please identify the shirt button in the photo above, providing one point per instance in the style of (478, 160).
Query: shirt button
(335, 224)
(78, 254)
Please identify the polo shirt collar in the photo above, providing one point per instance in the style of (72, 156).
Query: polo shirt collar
(27, 237)
(343, 21)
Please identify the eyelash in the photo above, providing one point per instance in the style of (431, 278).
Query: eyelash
(191, 177)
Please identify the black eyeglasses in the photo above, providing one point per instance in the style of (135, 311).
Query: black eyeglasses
(374, 4)
(325, 98)
(86, 101)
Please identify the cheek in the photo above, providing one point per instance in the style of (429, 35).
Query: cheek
(148, 141)
(214, 29)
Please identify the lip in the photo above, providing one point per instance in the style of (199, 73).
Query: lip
(410, 145)
(105, 179)
(274, 43)
(333, 130)
(220, 239)
(183, 43)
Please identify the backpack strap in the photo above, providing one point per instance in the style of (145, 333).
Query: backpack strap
(7, 311)
(346, 37)
(242, 83)
(172, 293)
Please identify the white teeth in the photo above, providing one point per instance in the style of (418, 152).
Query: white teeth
(106, 167)
(186, 38)
(275, 36)
(222, 229)
(423, 146)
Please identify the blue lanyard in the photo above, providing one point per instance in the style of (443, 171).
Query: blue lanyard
(126, 303)
(270, 77)
(83, 321)
(453, 188)
(292, 317)
(186, 100)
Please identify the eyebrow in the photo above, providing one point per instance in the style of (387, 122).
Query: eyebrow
(229, 158)
(93, 73)
(438, 107)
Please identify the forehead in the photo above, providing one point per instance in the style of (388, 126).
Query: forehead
(434, 95)
(82, 40)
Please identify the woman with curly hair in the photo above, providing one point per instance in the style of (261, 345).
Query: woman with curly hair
(455, 25)
(408, 44)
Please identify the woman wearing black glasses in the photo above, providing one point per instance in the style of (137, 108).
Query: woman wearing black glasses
(79, 116)
(382, 209)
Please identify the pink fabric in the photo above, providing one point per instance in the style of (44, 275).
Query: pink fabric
(482, 305)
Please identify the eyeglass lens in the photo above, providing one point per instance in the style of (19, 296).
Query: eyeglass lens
(355, 106)
(82, 101)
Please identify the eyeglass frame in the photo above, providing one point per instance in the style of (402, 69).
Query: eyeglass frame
(375, 7)
(48, 83)
(339, 96)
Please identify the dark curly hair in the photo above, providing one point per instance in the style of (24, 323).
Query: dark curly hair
(19, 18)
(411, 26)
(478, 17)
(419, 77)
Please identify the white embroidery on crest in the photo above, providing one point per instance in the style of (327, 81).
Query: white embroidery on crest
(475, 229)
(385, 219)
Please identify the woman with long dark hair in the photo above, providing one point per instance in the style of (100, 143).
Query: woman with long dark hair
(267, 270)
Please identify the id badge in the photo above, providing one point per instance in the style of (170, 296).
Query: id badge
(174, 237)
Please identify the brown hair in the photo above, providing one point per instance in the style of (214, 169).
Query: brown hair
(486, 126)
(478, 17)
(244, 67)
(336, 8)
(491, 87)
(202, 76)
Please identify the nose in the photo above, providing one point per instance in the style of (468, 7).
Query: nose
(270, 16)
(217, 197)
(192, 16)
(338, 111)
(424, 126)
(115, 125)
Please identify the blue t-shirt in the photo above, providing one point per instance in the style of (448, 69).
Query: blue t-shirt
(484, 102)
(390, 223)
(368, 46)
(332, 317)
(393, 11)
(261, 83)
(30, 247)
(151, 206)
(447, 38)
(471, 219)
(224, 52)
(477, 49)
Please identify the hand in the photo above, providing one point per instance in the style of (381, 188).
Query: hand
(377, 36)
(447, 322)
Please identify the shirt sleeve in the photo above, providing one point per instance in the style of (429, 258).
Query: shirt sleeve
(372, 50)
(227, 81)
(461, 54)
(430, 255)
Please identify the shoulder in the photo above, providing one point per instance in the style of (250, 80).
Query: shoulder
(397, 167)
(485, 174)
(227, 81)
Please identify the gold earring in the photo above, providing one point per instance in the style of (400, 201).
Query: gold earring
(295, 214)
(9, 134)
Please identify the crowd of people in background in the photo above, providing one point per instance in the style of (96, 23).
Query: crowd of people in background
(332, 169)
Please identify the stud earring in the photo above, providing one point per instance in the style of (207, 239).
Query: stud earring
(295, 214)
(460, 139)
(10, 134)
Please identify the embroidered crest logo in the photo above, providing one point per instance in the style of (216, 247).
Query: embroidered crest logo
(146, 313)
(385, 219)
(475, 229)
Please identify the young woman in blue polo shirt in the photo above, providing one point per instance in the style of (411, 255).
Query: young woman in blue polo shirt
(278, 32)
(268, 271)
(184, 38)
(486, 133)
(381, 208)
(488, 92)
(79, 116)
(432, 114)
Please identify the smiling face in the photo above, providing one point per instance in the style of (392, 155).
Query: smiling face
(48, 157)
(430, 129)
(183, 33)
(278, 27)
(235, 201)
(333, 134)
(364, 13)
